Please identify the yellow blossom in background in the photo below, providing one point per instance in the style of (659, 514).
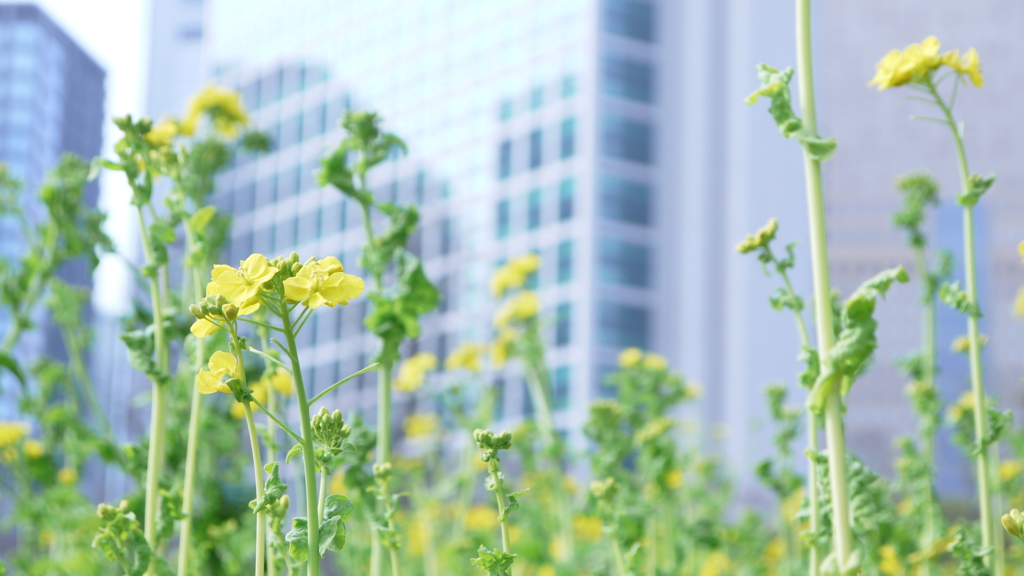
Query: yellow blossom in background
(515, 533)
(420, 424)
(889, 561)
(547, 570)
(674, 479)
(759, 239)
(223, 106)
(522, 306)
(337, 484)
(259, 392)
(221, 365)
(413, 371)
(33, 449)
(514, 273)
(900, 67)
(963, 405)
(500, 347)
(1018, 303)
(241, 286)
(481, 517)
(630, 357)
(46, 537)
(1010, 469)
(774, 552)
(715, 564)
(655, 362)
(163, 133)
(67, 476)
(790, 505)
(12, 432)
(962, 344)
(694, 390)
(556, 547)
(466, 356)
(323, 282)
(7, 455)
(587, 528)
(282, 382)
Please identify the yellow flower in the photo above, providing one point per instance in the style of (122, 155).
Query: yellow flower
(655, 362)
(337, 484)
(500, 348)
(241, 286)
(202, 328)
(774, 552)
(1009, 470)
(909, 65)
(33, 449)
(969, 65)
(259, 392)
(481, 517)
(465, 356)
(282, 382)
(962, 344)
(514, 273)
(630, 357)
(162, 134)
(221, 365)
(514, 533)
(413, 371)
(223, 106)
(46, 537)
(760, 239)
(418, 425)
(587, 528)
(522, 306)
(557, 548)
(323, 282)
(12, 432)
(674, 479)
(1018, 303)
(547, 570)
(889, 561)
(67, 476)
(715, 564)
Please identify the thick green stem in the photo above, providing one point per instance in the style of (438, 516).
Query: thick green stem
(841, 534)
(322, 500)
(384, 412)
(308, 456)
(257, 465)
(499, 493)
(981, 460)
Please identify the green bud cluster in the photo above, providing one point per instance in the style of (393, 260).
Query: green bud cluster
(604, 490)
(287, 267)
(330, 430)
(214, 305)
(382, 472)
(1014, 523)
(491, 443)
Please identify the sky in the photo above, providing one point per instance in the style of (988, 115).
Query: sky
(113, 33)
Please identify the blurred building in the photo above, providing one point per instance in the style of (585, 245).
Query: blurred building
(51, 102)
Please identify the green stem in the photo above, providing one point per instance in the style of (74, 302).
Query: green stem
(981, 460)
(499, 493)
(651, 536)
(272, 456)
(257, 464)
(270, 416)
(322, 500)
(928, 377)
(336, 385)
(620, 563)
(842, 536)
(308, 456)
(158, 423)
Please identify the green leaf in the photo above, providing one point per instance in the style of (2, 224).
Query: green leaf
(202, 218)
(273, 489)
(140, 345)
(953, 296)
(298, 539)
(494, 562)
(295, 451)
(978, 186)
(856, 340)
(338, 509)
(7, 361)
(513, 504)
(775, 85)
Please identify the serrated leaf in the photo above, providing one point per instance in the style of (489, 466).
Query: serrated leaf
(273, 489)
(775, 85)
(202, 218)
(494, 562)
(298, 539)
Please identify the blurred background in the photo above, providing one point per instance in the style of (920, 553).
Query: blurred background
(609, 136)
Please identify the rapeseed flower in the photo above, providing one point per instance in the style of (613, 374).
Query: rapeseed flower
(587, 528)
(241, 286)
(501, 347)
(630, 357)
(33, 449)
(418, 425)
(222, 365)
(12, 432)
(413, 371)
(323, 282)
(282, 382)
(962, 344)
(466, 356)
(223, 106)
(1010, 469)
(889, 561)
(162, 134)
(259, 393)
(481, 517)
(917, 61)
(655, 362)
(969, 65)
(522, 306)
(514, 273)
(67, 476)
(759, 239)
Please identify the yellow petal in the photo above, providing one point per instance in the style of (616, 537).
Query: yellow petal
(297, 289)
(330, 265)
(203, 328)
(340, 287)
(315, 301)
(207, 383)
(225, 363)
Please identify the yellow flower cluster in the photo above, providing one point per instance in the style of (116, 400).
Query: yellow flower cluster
(962, 344)
(514, 273)
(889, 561)
(1010, 469)
(67, 476)
(222, 366)
(481, 518)
(240, 286)
(413, 371)
(522, 306)
(418, 425)
(915, 62)
(964, 405)
(163, 133)
(716, 563)
(466, 356)
(759, 239)
(224, 108)
(323, 282)
(587, 528)
(33, 449)
(635, 357)
(12, 432)
(500, 348)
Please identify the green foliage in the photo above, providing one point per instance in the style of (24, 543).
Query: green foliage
(969, 555)
(775, 85)
(956, 298)
(273, 489)
(977, 187)
(919, 191)
(338, 509)
(494, 562)
(121, 540)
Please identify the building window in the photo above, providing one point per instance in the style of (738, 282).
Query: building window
(284, 236)
(503, 218)
(506, 109)
(564, 261)
(533, 210)
(309, 226)
(536, 149)
(266, 191)
(568, 141)
(442, 290)
(421, 185)
(446, 236)
(629, 18)
(563, 323)
(626, 139)
(627, 78)
(560, 388)
(623, 263)
(245, 198)
(625, 200)
(568, 86)
(621, 325)
(565, 199)
(505, 159)
(537, 98)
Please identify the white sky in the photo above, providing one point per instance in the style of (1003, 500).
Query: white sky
(113, 33)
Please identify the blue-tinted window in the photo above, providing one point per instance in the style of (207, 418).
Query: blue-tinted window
(443, 290)
(627, 78)
(533, 210)
(446, 236)
(315, 121)
(564, 261)
(309, 226)
(621, 325)
(537, 98)
(266, 191)
(568, 86)
(565, 188)
(506, 109)
(309, 177)
(505, 159)
(563, 324)
(560, 388)
(629, 18)
(287, 183)
(504, 216)
(623, 263)
(625, 200)
(421, 186)
(291, 132)
(626, 139)
(536, 148)
(245, 198)
(284, 236)
(567, 144)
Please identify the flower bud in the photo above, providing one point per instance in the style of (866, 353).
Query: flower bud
(220, 300)
(293, 257)
(295, 268)
(1012, 526)
(230, 311)
(196, 311)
